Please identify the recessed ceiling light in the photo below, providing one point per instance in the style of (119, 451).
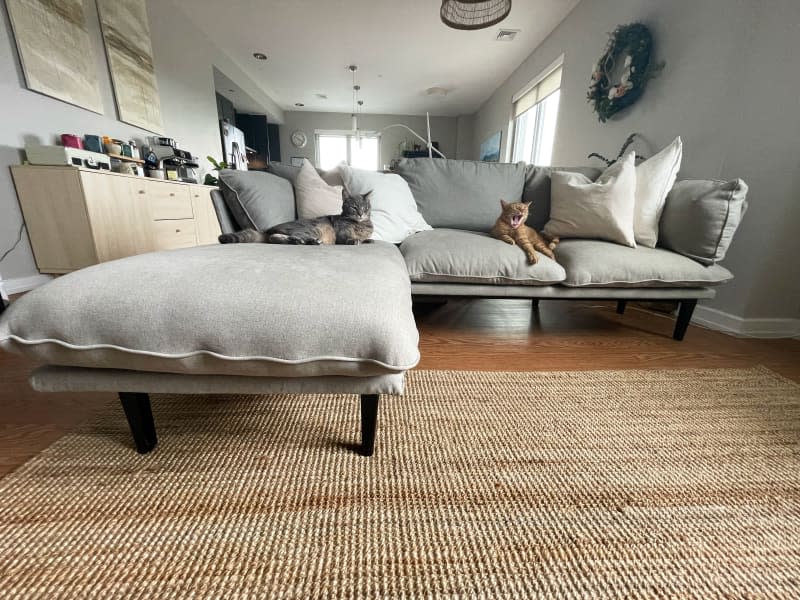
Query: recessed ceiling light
(259, 55)
(321, 96)
(299, 104)
(439, 92)
(506, 35)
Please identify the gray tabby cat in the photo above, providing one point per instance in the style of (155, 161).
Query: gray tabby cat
(353, 226)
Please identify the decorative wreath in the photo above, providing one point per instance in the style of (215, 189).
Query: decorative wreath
(633, 45)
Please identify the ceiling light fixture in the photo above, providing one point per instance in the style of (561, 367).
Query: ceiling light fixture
(259, 55)
(356, 89)
(299, 104)
(473, 14)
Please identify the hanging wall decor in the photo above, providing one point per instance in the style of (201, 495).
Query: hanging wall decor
(55, 51)
(130, 59)
(627, 56)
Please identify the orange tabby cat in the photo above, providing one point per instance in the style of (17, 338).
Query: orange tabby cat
(510, 227)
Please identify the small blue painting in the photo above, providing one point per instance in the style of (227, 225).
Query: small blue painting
(490, 149)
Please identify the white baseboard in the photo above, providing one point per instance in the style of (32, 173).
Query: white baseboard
(24, 284)
(738, 326)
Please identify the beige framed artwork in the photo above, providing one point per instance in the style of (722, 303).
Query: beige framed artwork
(126, 35)
(55, 51)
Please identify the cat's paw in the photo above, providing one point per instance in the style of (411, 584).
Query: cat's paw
(532, 260)
(228, 238)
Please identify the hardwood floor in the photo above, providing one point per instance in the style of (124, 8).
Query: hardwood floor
(491, 335)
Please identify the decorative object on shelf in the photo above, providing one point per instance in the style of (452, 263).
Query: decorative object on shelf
(628, 141)
(93, 143)
(55, 51)
(66, 155)
(490, 149)
(631, 44)
(473, 14)
(130, 59)
(299, 139)
(70, 140)
(209, 178)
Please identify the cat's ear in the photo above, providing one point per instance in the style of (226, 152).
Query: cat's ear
(528, 203)
(503, 203)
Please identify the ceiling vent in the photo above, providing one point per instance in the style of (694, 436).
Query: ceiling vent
(506, 35)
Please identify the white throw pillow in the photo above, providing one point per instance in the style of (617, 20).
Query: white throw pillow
(314, 197)
(601, 210)
(394, 210)
(654, 180)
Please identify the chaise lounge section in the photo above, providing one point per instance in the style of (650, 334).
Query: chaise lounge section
(249, 319)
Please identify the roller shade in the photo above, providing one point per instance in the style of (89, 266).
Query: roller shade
(538, 92)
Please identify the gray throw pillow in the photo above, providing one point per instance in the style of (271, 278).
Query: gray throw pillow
(257, 200)
(461, 194)
(537, 190)
(701, 216)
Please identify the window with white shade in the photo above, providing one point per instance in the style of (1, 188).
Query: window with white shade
(335, 147)
(534, 117)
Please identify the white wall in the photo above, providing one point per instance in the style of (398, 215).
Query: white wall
(730, 89)
(183, 61)
(443, 130)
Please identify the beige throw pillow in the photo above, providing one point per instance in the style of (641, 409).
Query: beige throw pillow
(654, 180)
(314, 197)
(601, 210)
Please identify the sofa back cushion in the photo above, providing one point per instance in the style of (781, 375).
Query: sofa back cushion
(461, 194)
(537, 190)
(257, 200)
(701, 216)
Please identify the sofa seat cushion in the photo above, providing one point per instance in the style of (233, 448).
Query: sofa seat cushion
(591, 263)
(238, 309)
(457, 256)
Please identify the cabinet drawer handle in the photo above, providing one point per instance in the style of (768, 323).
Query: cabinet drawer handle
(141, 191)
(172, 193)
(177, 231)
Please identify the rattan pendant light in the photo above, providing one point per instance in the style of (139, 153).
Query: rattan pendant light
(474, 14)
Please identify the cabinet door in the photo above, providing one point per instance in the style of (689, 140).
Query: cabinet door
(205, 217)
(118, 214)
(52, 202)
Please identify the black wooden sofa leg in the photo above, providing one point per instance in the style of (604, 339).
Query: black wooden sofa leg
(369, 422)
(621, 304)
(684, 316)
(140, 418)
(534, 303)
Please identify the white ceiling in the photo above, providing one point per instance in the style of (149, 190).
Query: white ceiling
(400, 46)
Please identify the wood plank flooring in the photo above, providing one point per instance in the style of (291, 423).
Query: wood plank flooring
(491, 335)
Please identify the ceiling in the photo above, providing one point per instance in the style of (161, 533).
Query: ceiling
(400, 46)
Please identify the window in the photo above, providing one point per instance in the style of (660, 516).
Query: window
(334, 147)
(534, 119)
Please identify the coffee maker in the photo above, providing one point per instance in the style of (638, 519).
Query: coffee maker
(164, 160)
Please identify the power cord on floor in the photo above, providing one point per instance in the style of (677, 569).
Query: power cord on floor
(19, 239)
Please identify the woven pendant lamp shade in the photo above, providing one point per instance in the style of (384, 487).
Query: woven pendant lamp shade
(474, 14)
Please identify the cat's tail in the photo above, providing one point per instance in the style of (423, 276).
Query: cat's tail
(248, 236)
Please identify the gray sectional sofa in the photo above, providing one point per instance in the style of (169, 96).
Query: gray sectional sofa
(459, 199)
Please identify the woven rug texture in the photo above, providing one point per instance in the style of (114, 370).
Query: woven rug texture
(603, 484)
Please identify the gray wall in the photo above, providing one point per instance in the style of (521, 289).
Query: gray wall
(183, 60)
(729, 89)
(443, 130)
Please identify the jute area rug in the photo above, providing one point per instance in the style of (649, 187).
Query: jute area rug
(674, 483)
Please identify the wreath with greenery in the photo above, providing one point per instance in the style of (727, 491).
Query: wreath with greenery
(632, 44)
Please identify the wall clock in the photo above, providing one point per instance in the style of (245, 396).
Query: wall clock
(299, 139)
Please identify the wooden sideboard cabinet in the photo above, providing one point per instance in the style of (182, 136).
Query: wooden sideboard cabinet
(78, 217)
